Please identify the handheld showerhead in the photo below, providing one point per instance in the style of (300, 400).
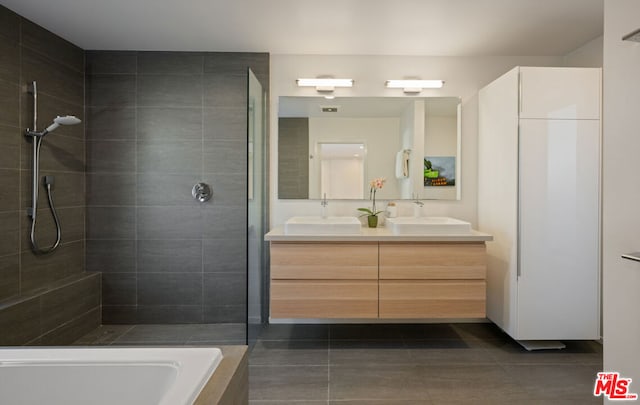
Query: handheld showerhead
(66, 120)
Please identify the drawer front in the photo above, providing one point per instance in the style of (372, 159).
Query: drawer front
(432, 261)
(433, 299)
(324, 299)
(324, 261)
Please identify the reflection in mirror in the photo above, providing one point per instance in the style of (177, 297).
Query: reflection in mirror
(335, 147)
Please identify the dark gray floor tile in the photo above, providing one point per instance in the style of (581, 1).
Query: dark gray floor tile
(379, 382)
(480, 331)
(290, 353)
(472, 384)
(367, 332)
(103, 335)
(556, 381)
(288, 382)
(429, 354)
(156, 333)
(281, 402)
(217, 332)
(576, 352)
(169, 314)
(370, 352)
(294, 332)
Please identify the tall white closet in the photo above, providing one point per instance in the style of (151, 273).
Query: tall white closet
(539, 196)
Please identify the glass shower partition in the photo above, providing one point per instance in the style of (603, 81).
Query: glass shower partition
(257, 208)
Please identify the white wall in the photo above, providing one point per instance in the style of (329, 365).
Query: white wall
(440, 139)
(463, 76)
(621, 194)
(588, 55)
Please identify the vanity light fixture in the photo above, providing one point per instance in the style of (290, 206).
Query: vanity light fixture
(325, 85)
(414, 85)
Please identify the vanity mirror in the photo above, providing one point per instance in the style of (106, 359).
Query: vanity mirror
(335, 147)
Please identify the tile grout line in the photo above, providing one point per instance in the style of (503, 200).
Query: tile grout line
(135, 160)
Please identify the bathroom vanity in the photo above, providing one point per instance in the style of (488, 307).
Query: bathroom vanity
(376, 274)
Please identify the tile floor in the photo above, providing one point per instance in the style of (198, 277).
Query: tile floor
(389, 364)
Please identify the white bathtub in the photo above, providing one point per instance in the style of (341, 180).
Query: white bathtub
(70, 376)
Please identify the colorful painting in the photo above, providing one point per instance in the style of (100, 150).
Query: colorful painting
(439, 171)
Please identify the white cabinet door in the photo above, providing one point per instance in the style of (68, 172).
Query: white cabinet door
(558, 285)
(560, 93)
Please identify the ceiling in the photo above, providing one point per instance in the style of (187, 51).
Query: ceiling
(356, 27)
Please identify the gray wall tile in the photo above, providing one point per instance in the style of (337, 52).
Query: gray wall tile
(52, 46)
(9, 276)
(177, 256)
(10, 138)
(20, 323)
(170, 157)
(169, 223)
(71, 331)
(38, 271)
(68, 189)
(50, 107)
(72, 222)
(175, 63)
(9, 196)
(225, 255)
(111, 156)
(9, 24)
(222, 289)
(229, 189)
(228, 221)
(9, 105)
(169, 90)
(225, 90)
(111, 123)
(68, 302)
(9, 232)
(166, 189)
(108, 90)
(111, 256)
(105, 62)
(53, 78)
(119, 288)
(119, 314)
(170, 288)
(10, 63)
(169, 124)
(111, 222)
(111, 189)
(225, 123)
(225, 157)
(57, 153)
(225, 314)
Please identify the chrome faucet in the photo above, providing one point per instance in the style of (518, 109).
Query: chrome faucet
(324, 203)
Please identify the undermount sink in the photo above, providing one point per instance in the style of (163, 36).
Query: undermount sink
(322, 226)
(428, 225)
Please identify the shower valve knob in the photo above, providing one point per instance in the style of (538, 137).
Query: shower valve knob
(201, 192)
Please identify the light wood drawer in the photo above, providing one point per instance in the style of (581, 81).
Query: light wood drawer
(324, 299)
(432, 261)
(324, 261)
(432, 299)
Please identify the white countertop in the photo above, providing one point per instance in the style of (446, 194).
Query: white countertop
(376, 235)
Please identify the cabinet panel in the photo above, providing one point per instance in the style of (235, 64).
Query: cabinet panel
(432, 261)
(559, 93)
(432, 299)
(324, 299)
(322, 261)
